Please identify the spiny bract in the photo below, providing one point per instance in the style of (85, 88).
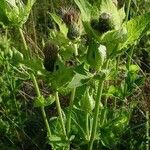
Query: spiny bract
(73, 32)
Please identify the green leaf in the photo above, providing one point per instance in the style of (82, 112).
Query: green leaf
(61, 78)
(102, 53)
(112, 39)
(62, 26)
(87, 101)
(122, 13)
(115, 36)
(3, 17)
(85, 9)
(78, 80)
(12, 3)
(34, 65)
(112, 90)
(25, 13)
(39, 101)
(17, 12)
(102, 74)
(49, 100)
(17, 56)
(136, 27)
(134, 68)
(58, 142)
(81, 69)
(114, 128)
(96, 55)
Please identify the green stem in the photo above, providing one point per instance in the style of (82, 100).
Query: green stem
(34, 31)
(96, 112)
(76, 50)
(42, 107)
(147, 130)
(128, 10)
(87, 126)
(70, 110)
(60, 114)
(46, 121)
(24, 43)
(116, 78)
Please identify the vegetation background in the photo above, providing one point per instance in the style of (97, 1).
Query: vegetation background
(28, 93)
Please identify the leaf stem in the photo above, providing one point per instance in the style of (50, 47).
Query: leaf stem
(96, 112)
(97, 108)
(130, 54)
(128, 10)
(42, 107)
(87, 126)
(70, 110)
(60, 114)
(24, 43)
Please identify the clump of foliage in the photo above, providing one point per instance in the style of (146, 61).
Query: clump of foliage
(83, 58)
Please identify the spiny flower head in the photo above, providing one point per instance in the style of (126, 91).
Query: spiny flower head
(69, 15)
(50, 56)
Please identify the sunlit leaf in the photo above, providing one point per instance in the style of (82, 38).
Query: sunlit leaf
(136, 27)
(62, 26)
(78, 80)
(85, 9)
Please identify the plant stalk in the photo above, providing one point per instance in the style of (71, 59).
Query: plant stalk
(76, 50)
(130, 57)
(128, 10)
(60, 114)
(27, 53)
(71, 100)
(70, 110)
(42, 107)
(96, 112)
(87, 126)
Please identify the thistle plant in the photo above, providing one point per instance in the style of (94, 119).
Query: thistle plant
(82, 58)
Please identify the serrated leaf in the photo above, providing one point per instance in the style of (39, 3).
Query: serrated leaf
(62, 26)
(3, 17)
(78, 80)
(17, 56)
(111, 39)
(136, 27)
(50, 100)
(17, 12)
(34, 65)
(114, 36)
(61, 78)
(39, 101)
(85, 9)
(102, 51)
(122, 13)
(134, 68)
(87, 101)
(12, 3)
(112, 91)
